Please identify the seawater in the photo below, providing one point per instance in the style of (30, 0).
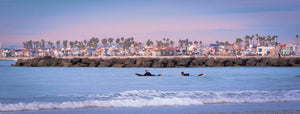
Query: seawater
(60, 88)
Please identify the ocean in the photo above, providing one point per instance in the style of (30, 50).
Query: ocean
(27, 90)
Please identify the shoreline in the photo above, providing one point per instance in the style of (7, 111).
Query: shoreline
(93, 57)
(159, 62)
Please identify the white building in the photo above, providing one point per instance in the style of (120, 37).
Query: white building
(0, 45)
(263, 51)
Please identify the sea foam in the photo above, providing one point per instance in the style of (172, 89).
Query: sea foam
(151, 98)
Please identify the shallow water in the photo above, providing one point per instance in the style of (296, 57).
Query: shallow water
(76, 89)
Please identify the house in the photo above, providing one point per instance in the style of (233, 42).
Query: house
(264, 51)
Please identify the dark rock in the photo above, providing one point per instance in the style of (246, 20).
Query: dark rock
(157, 64)
(19, 62)
(86, 61)
(210, 62)
(132, 65)
(228, 62)
(76, 60)
(76, 65)
(82, 65)
(239, 61)
(164, 61)
(128, 61)
(65, 64)
(282, 62)
(147, 64)
(220, 62)
(251, 61)
(104, 64)
(118, 65)
(139, 61)
(185, 62)
(43, 63)
(201, 60)
(92, 64)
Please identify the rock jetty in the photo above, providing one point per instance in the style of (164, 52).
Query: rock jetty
(158, 62)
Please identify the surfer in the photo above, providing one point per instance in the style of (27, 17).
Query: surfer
(187, 74)
(147, 73)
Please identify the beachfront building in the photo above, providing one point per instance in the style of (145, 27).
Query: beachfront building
(264, 51)
(287, 50)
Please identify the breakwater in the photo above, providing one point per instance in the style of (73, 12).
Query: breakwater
(158, 62)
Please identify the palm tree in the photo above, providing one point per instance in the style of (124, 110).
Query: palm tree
(172, 43)
(37, 43)
(65, 43)
(247, 40)
(71, 44)
(85, 42)
(104, 42)
(238, 41)
(180, 43)
(118, 41)
(196, 42)
(256, 39)
(57, 44)
(149, 42)
(252, 40)
(297, 37)
(217, 42)
(50, 44)
(110, 40)
(30, 44)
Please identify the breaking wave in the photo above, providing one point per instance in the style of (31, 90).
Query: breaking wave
(151, 98)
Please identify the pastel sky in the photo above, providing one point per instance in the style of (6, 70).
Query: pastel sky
(201, 20)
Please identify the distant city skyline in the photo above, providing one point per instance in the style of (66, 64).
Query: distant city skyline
(199, 20)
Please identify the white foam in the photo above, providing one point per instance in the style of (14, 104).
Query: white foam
(149, 98)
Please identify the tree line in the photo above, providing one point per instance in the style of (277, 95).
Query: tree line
(92, 43)
(125, 43)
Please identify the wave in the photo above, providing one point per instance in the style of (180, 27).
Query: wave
(151, 98)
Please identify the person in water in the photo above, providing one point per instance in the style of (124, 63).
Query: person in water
(187, 74)
(147, 73)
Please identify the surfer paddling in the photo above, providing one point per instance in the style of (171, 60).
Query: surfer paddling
(187, 74)
(147, 73)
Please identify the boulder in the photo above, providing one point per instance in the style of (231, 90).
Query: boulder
(228, 62)
(82, 65)
(118, 65)
(92, 64)
(164, 61)
(184, 62)
(251, 61)
(220, 62)
(128, 61)
(139, 61)
(132, 65)
(104, 64)
(201, 60)
(239, 61)
(43, 63)
(19, 62)
(65, 64)
(282, 62)
(147, 64)
(157, 64)
(76, 60)
(86, 61)
(210, 62)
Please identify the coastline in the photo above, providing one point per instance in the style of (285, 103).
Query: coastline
(159, 62)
